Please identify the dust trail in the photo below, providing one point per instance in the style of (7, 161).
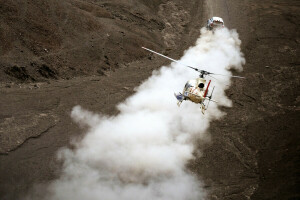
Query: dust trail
(142, 152)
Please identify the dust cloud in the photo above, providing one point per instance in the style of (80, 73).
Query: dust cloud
(142, 152)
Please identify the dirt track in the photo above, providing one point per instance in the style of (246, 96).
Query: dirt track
(254, 150)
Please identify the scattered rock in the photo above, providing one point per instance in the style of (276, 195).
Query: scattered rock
(100, 71)
(36, 86)
(47, 72)
(18, 72)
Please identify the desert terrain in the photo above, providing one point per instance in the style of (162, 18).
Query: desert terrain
(55, 55)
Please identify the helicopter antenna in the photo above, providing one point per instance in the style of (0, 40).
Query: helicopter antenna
(202, 72)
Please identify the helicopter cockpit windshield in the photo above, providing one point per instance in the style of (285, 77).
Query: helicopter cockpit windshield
(187, 85)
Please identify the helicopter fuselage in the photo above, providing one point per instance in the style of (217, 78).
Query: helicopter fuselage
(194, 90)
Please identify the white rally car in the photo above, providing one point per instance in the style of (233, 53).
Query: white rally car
(215, 22)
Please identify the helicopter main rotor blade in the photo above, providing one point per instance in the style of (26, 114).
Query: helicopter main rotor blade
(217, 79)
(212, 77)
(227, 75)
(170, 58)
(203, 72)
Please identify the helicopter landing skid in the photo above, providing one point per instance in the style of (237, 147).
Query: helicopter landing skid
(179, 103)
(202, 107)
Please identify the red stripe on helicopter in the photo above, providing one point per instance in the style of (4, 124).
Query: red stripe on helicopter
(207, 89)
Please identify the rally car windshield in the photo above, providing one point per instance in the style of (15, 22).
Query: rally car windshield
(218, 23)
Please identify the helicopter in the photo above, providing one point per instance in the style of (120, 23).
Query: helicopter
(195, 90)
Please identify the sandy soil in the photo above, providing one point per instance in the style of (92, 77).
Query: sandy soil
(59, 54)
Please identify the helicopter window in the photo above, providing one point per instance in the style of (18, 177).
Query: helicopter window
(201, 85)
(187, 85)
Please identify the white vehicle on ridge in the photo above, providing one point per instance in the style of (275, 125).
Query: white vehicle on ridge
(215, 22)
